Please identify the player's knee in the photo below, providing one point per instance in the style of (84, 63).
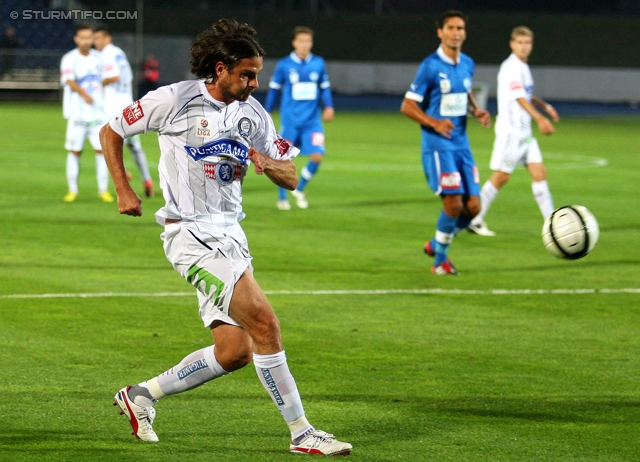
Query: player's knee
(452, 207)
(234, 357)
(473, 209)
(317, 158)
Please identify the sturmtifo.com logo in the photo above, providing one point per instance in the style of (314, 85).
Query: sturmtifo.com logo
(81, 15)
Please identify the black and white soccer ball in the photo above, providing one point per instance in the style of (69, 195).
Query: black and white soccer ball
(570, 232)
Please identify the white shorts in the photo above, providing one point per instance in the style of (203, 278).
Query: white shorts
(210, 258)
(514, 148)
(78, 131)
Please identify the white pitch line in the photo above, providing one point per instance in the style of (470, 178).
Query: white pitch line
(351, 292)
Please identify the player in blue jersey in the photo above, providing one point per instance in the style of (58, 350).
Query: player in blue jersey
(439, 99)
(306, 101)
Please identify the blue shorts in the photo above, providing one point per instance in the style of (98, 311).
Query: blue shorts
(309, 139)
(451, 172)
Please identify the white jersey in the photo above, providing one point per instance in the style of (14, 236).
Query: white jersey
(514, 81)
(86, 71)
(203, 148)
(117, 95)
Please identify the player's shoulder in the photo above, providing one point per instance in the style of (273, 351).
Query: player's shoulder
(252, 107)
(184, 90)
(467, 60)
(70, 54)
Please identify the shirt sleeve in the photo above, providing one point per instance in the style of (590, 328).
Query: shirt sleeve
(420, 84)
(149, 114)
(266, 141)
(66, 70)
(325, 88)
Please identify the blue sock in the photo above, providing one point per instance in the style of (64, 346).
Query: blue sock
(444, 235)
(307, 173)
(461, 224)
(282, 194)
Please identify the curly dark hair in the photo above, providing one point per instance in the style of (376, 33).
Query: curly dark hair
(226, 41)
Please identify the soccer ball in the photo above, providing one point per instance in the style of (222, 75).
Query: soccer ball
(570, 232)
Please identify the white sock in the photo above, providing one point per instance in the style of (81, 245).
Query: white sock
(73, 170)
(194, 370)
(543, 197)
(102, 173)
(139, 157)
(276, 378)
(488, 194)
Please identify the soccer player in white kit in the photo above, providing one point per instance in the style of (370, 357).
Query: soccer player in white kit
(117, 79)
(514, 143)
(80, 75)
(209, 131)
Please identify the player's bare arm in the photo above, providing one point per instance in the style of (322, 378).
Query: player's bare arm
(78, 89)
(128, 201)
(546, 107)
(110, 80)
(411, 109)
(546, 127)
(482, 115)
(280, 172)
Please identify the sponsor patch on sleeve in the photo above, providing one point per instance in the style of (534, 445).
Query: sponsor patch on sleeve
(133, 113)
(282, 145)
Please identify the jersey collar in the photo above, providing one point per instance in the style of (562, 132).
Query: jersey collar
(445, 58)
(210, 99)
(297, 58)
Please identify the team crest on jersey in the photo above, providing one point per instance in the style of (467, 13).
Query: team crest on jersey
(314, 76)
(224, 173)
(203, 127)
(244, 127)
(133, 113)
(450, 180)
(445, 85)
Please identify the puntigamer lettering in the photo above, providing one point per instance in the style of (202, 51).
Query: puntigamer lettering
(224, 147)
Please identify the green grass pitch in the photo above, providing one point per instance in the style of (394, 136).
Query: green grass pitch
(537, 372)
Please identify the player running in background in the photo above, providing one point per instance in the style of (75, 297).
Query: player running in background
(514, 143)
(80, 74)
(117, 80)
(302, 80)
(209, 131)
(438, 99)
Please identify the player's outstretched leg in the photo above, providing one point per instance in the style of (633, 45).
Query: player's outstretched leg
(136, 402)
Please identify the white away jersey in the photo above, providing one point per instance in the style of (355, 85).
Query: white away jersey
(86, 71)
(203, 148)
(117, 95)
(514, 81)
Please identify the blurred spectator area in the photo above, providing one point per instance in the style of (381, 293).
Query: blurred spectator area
(35, 63)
